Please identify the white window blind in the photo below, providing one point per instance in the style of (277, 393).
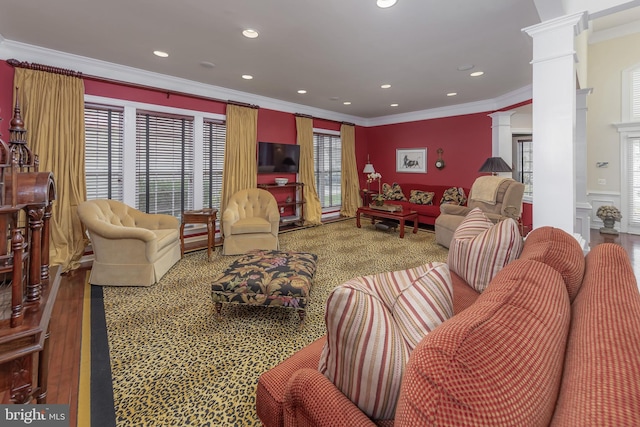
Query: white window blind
(328, 169)
(635, 94)
(164, 163)
(213, 161)
(103, 151)
(633, 181)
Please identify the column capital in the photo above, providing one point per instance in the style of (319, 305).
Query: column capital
(578, 21)
(501, 118)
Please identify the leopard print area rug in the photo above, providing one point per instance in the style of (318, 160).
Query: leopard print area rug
(173, 363)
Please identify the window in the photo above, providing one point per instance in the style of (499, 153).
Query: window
(103, 151)
(214, 136)
(633, 182)
(524, 163)
(635, 94)
(164, 163)
(328, 168)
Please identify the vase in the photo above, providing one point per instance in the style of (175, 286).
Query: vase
(609, 224)
(378, 202)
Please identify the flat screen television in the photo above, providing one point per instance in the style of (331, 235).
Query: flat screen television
(278, 158)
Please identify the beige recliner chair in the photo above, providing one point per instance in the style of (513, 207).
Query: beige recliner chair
(498, 197)
(130, 247)
(250, 221)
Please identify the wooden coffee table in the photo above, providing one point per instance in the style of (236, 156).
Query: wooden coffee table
(401, 216)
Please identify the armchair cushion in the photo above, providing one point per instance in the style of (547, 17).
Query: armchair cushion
(251, 225)
(480, 249)
(373, 324)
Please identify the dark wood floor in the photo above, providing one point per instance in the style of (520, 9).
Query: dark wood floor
(66, 326)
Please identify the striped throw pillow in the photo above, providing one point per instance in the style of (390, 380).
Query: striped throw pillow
(373, 324)
(479, 249)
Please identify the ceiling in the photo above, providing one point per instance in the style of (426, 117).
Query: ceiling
(337, 50)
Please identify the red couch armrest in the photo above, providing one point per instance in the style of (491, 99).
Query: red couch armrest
(312, 400)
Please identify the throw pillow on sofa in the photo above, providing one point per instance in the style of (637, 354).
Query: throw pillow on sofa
(421, 197)
(373, 324)
(454, 195)
(393, 192)
(480, 249)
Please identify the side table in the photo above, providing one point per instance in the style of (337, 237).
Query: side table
(202, 216)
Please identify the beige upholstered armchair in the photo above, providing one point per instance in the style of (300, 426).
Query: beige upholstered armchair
(250, 221)
(498, 197)
(130, 247)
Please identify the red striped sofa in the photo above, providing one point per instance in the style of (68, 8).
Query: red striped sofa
(554, 340)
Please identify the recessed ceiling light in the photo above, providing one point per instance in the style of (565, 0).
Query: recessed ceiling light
(386, 3)
(476, 73)
(334, 98)
(347, 102)
(394, 105)
(385, 86)
(160, 53)
(452, 93)
(302, 91)
(247, 76)
(465, 67)
(207, 64)
(249, 33)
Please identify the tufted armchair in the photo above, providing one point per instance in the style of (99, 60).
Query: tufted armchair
(498, 197)
(250, 221)
(131, 248)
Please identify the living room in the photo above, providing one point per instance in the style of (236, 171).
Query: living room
(462, 135)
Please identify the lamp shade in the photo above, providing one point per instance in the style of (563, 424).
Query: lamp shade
(495, 164)
(368, 168)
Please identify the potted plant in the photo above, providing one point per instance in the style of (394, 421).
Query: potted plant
(609, 215)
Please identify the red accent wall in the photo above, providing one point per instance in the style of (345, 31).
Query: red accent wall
(466, 141)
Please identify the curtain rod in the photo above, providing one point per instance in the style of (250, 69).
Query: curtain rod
(39, 67)
(308, 116)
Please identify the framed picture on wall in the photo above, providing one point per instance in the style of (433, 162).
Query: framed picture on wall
(413, 160)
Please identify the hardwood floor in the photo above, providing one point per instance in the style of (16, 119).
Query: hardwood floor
(66, 326)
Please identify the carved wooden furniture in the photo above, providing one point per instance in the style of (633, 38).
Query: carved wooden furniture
(28, 288)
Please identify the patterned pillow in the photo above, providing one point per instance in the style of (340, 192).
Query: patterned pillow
(393, 192)
(454, 195)
(421, 197)
(373, 324)
(479, 249)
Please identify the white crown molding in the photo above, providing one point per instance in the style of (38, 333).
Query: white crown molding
(515, 97)
(614, 33)
(89, 66)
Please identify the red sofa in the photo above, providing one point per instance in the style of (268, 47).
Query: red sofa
(554, 340)
(427, 214)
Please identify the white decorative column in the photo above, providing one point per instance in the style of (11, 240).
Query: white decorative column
(554, 115)
(501, 137)
(583, 207)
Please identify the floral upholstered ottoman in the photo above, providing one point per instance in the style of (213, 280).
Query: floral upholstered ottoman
(272, 278)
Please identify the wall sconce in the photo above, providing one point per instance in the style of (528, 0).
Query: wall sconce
(494, 165)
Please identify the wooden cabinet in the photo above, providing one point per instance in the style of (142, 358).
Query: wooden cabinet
(290, 198)
(28, 288)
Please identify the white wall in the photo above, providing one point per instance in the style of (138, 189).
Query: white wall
(607, 60)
